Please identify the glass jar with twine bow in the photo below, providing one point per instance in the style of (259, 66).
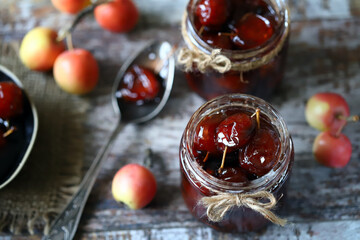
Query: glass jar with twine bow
(235, 206)
(211, 71)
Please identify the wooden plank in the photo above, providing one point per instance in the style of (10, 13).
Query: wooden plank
(18, 17)
(304, 231)
(332, 194)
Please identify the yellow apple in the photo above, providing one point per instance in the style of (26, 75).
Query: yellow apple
(39, 49)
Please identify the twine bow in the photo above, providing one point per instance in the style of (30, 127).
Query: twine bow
(218, 205)
(215, 60)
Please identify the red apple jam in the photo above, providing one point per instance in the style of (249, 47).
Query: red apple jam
(139, 85)
(227, 148)
(245, 31)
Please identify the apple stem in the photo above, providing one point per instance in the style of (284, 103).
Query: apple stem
(226, 34)
(69, 42)
(257, 114)
(242, 78)
(340, 130)
(223, 159)
(201, 30)
(69, 29)
(355, 118)
(8, 132)
(206, 157)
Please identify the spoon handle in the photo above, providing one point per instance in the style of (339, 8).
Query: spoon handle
(65, 225)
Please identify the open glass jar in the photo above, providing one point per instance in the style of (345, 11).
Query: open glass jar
(233, 57)
(200, 181)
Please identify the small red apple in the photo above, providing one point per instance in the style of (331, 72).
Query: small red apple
(327, 111)
(332, 151)
(11, 100)
(117, 16)
(134, 185)
(70, 6)
(76, 71)
(39, 49)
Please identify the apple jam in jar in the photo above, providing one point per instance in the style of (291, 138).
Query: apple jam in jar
(236, 155)
(234, 46)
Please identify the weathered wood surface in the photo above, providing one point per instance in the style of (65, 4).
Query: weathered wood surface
(324, 55)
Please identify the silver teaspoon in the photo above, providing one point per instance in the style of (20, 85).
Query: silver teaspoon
(157, 56)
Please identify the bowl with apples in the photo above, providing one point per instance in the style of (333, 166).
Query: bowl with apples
(18, 126)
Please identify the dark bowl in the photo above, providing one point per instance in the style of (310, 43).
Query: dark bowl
(14, 155)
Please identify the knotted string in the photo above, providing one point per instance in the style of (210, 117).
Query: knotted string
(215, 60)
(218, 205)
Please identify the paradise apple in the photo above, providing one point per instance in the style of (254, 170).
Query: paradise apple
(70, 6)
(11, 100)
(117, 16)
(76, 71)
(332, 151)
(327, 111)
(134, 185)
(39, 49)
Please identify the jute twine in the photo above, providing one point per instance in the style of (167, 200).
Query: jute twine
(218, 205)
(192, 55)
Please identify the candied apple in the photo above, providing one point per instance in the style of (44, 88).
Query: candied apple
(251, 31)
(212, 12)
(260, 155)
(11, 100)
(235, 131)
(139, 83)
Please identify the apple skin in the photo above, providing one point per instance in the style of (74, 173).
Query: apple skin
(323, 110)
(76, 71)
(39, 49)
(332, 151)
(117, 16)
(134, 185)
(70, 6)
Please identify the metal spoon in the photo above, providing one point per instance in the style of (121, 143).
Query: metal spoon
(152, 56)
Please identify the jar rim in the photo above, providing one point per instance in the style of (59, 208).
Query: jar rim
(284, 24)
(270, 181)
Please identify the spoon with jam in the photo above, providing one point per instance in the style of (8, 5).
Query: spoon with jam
(140, 91)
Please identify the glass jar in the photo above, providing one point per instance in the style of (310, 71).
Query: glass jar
(256, 71)
(196, 183)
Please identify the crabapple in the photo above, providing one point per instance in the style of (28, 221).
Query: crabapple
(76, 71)
(11, 100)
(327, 111)
(134, 185)
(70, 6)
(117, 16)
(39, 49)
(332, 151)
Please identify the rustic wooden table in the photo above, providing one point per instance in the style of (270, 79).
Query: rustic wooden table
(324, 55)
